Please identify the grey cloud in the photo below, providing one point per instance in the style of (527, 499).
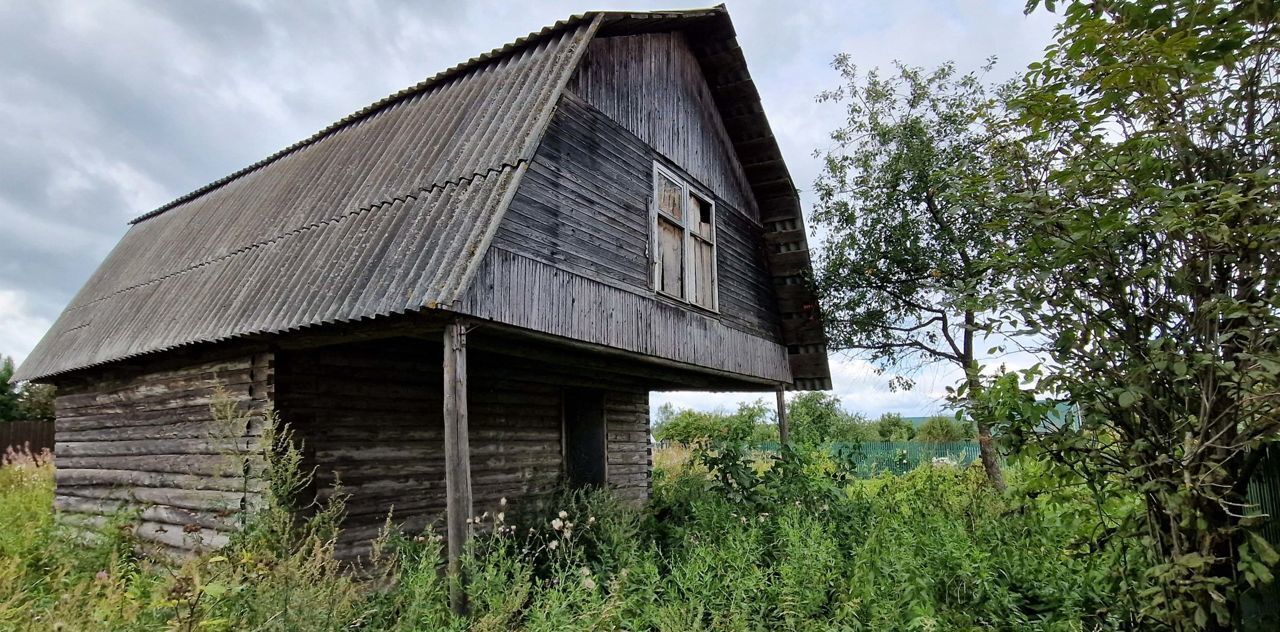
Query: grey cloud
(108, 109)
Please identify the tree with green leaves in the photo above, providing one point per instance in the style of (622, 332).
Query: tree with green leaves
(904, 198)
(1146, 257)
(942, 429)
(10, 406)
(35, 402)
(814, 417)
(893, 427)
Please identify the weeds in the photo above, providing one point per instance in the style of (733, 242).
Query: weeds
(792, 545)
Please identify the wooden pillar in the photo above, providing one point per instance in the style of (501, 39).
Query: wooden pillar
(784, 433)
(457, 459)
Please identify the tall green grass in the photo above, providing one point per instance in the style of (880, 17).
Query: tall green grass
(807, 549)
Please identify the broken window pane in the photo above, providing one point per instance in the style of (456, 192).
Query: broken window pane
(700, 214)
(669, 193)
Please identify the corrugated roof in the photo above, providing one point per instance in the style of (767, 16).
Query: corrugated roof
(387, 210)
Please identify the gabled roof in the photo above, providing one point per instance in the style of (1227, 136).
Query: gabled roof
(386, 211)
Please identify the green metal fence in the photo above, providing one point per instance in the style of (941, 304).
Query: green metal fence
(1259, 606)
(899, 457)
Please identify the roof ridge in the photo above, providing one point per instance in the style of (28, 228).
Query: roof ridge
(412, 91)
(373, 108)
(405, 197)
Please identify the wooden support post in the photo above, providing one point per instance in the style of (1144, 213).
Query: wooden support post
(457, 459)
(784, 432)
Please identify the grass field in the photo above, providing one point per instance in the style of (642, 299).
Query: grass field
(792, 546)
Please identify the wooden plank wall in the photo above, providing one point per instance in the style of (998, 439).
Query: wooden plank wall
(572, 255)
(690, 97)
(653, 86)
(26, 436)
(370, 417)
(514, 289)
(141, 439)
(583, 206)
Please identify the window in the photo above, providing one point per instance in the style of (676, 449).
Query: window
(684, 263)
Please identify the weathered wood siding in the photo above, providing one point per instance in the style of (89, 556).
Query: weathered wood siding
(572, 254)
(370, 416)
(652, 84)
(517, 290)
(571, 258)
(629, 453)
(142, 439)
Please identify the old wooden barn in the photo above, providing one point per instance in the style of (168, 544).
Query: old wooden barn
(463, 292)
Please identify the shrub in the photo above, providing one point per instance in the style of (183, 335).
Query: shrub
(797, 544)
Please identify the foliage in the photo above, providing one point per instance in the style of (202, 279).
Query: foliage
(941, 429)
(23, 402)
(1144, 245)
(690, 427)
(935, 549)
(904, 197)
(817, 418)
(9, 394)
(892, 427)
(35, 403)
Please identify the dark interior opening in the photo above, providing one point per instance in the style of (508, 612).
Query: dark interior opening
(584, 437)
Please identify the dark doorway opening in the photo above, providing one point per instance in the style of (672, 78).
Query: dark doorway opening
(584, 437)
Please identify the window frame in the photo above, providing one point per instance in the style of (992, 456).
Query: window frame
(688, 242)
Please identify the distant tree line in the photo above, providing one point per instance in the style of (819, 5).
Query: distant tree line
(815, 418)
(23, 402)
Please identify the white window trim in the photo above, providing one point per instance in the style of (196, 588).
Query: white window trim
(687, 246)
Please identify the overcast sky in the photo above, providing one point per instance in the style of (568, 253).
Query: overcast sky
(110, 108)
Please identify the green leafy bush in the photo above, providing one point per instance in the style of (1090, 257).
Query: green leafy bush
(799, 543)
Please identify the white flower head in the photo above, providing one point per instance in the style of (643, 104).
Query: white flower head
(584, 571)
(553, 544)
(589, 584)
(556, 524)
(564, 514)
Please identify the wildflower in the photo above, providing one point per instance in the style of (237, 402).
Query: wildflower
(502, 502)
(102, 576)
(591, 520)
(501, 516)
(556, 524)
(553, 544)
(589, 584)
(584, 571)
(564, 514)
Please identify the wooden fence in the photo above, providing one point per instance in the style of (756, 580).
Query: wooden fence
(36, 435)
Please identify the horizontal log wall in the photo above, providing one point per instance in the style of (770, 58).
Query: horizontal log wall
(629, 454)
(369, 415)
(141, 441)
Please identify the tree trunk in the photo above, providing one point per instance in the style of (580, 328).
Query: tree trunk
(987, 450)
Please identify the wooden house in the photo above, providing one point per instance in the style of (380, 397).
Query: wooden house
(463, 292)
